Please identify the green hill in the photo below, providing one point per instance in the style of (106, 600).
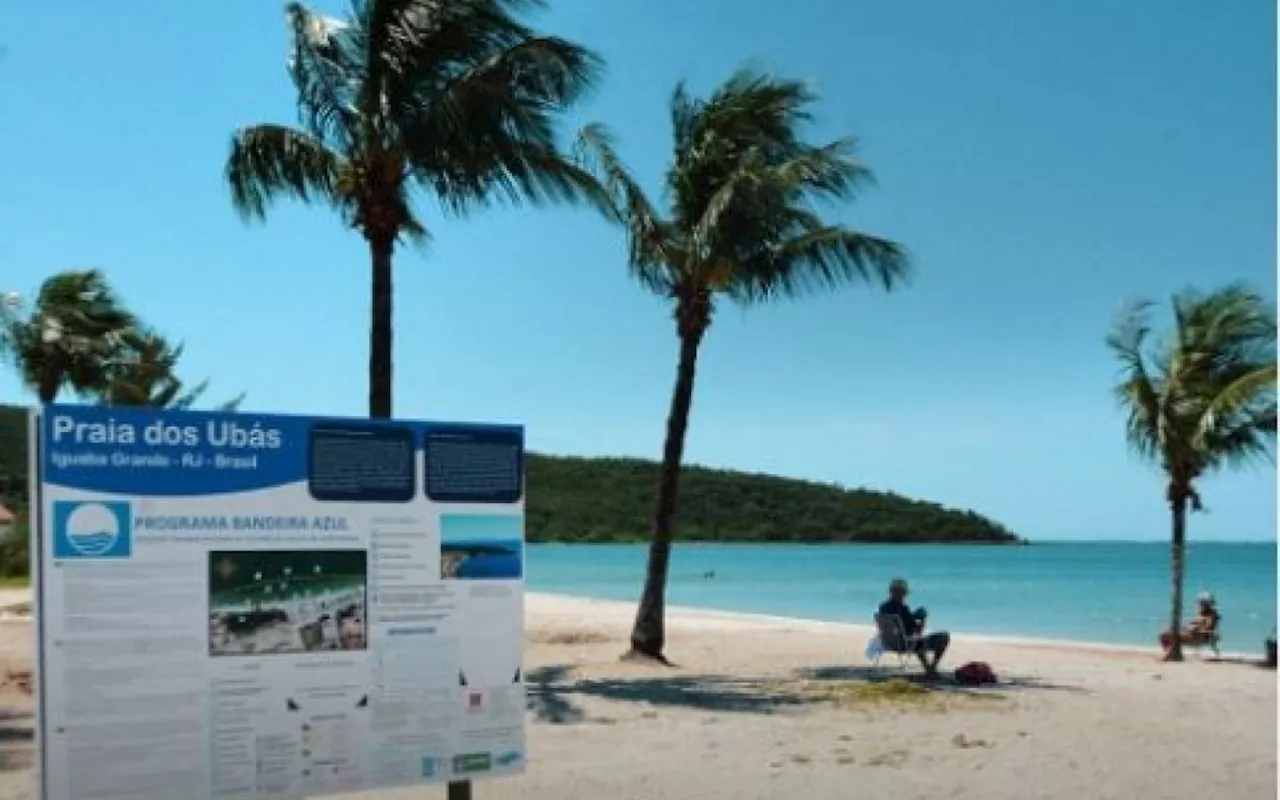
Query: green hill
(611, 500)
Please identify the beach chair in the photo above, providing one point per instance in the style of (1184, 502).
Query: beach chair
(1211, 642)
(894, 640)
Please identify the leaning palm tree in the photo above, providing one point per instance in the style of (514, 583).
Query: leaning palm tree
(453, 97)
(741, 226)
(69, 337)
(146, 375)
(1203, 400)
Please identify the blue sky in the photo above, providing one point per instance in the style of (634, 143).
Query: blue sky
(1044, 162)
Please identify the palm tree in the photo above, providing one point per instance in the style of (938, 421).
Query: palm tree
(70, 336)
(454, 97)
(146, 375)
(741, 227)
(1203, 400)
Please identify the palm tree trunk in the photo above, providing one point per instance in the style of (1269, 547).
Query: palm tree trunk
(380, 338)
(648, 635)
(1178, 504)
(50, 383)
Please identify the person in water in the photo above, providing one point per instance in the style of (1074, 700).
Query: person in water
(1201, 630)
(913, 624)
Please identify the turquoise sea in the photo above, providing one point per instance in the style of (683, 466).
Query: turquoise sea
(1115, 593)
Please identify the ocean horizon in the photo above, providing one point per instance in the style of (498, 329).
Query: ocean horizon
(1105, 592)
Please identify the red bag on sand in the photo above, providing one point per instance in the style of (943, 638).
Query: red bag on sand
(975, 673)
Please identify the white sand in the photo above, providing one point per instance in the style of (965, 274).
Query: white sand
(768, 708)
(1068, 722)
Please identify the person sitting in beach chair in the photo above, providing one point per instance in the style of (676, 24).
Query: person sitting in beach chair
(1201, 631)
(914, 638)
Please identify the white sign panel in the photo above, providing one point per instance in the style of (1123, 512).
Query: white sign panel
(238, 606)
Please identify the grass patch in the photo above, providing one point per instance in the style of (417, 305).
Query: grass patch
(896, 690)
(896, 693)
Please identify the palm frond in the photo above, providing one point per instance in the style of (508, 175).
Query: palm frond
(455, 96)
(1204, 399)
(749, 113)
(327, 68)
(546, 173)
(753, 107)
(1136, 392)
(1250, 442)
(829, 171)
(144, 374)
(758, 220)
(741, 187)
(414, 231)
(538, 69)
(828, 257)
(415, 47)
(270, 160)
(231, 405)
(489, 130)
(651, 247)
(1253, 392)
(74, 328)
(685, 110)
(736, 192)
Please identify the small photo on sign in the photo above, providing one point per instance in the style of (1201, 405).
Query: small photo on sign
(287, 601)
(481, 547)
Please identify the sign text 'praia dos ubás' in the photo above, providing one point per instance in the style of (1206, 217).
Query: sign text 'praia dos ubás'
(240, 441)
(215, 432)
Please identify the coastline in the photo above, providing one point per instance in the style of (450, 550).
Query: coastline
(621, 611)
(546, 602)
(1108, 596)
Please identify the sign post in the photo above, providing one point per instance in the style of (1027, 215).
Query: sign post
(237, 606)
(460, 790)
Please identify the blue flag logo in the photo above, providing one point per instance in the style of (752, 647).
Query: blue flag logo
(92, 529)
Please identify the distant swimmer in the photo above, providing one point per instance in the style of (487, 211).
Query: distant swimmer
(708, 575)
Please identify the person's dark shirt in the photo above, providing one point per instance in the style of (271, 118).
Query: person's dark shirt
(910, 622)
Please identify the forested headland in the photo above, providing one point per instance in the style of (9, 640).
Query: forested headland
(611, 500)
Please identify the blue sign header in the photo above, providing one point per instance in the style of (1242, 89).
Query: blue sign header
(160, 453)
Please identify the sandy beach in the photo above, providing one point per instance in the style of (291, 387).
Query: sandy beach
(767, 708)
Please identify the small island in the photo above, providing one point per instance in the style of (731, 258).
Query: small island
(597, 500)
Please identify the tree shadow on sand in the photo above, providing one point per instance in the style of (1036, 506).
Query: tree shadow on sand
(1240, 661)
(942, 683)
(552, 689)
